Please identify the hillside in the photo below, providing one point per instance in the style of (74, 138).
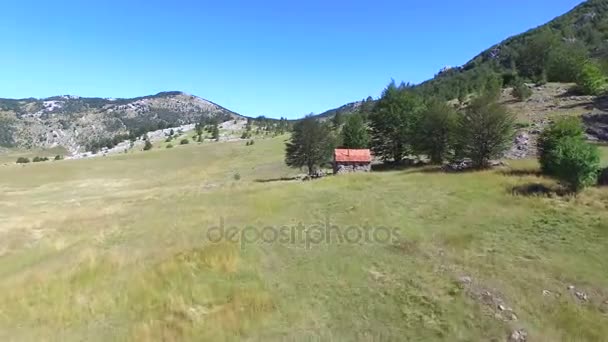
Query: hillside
(540, 54)
(80, 124)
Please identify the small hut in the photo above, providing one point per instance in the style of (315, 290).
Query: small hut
(352, 160)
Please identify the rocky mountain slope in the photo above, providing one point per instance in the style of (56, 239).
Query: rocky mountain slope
(80, 124)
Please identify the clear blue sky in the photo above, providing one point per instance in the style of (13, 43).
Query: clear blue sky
(273, 58)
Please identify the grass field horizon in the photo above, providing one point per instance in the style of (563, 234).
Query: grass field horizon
(116, 248)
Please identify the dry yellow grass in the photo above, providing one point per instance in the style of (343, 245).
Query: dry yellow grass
(115, 248)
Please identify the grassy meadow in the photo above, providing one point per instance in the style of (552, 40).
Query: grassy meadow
(115, 248)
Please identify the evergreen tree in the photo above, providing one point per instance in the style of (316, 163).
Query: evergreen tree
(354, 133)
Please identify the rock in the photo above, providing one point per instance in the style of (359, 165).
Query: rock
(518, 336)
(546, 293)
(466, 280)
(501, 307)
(570, 287)
(582, 296)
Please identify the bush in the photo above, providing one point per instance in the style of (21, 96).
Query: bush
(58, 157)
(39, 159)
(147, 145)
(168, 139)
(576, 163)
(23, 160)
(521, 91)
(549, 138)
(237, 176)
(170, 146)
(591, 80)
(184, 142)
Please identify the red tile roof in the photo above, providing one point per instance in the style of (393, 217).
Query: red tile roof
(348, 155)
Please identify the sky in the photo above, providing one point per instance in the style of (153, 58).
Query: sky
(266, 57)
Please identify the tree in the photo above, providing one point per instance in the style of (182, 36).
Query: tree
(565, 127)
(393, 120)
(184, 142)
(215, 133)
(354, 133)
(23, 160)
(337, 120)
(565, 62)
(521, 91)
(435, 131)
(577, 163)
(147, 145)
(485, 131)
(591, 80)
(310, 145)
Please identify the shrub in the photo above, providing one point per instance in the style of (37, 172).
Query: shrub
(39, 159)
(168, 139)
(184, 142)
(23, 160)
(549, 138)
(58, 157)
(251, 142)
(591, 80)
(147, 145)
(170, 146)
(576, 162)
(237, 176)
(521, 91)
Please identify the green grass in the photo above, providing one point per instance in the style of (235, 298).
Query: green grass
(8, 156)
(115, 248)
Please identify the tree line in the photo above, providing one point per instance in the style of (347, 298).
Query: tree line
(404, 123)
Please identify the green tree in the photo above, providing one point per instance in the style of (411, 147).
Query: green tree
(354, 133)
(393, 120)
(565, 62)
(485, 131)
(435, 131)
(337, 120)
(591, 80)
(565, 127)
(310, 145)
(23, 160)
(147, 145)
(577, 163)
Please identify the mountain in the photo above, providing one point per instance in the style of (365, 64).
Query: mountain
(349, 108)
(79, 123)
(541, 54)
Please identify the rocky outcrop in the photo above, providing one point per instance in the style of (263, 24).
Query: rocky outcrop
(597, 125)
